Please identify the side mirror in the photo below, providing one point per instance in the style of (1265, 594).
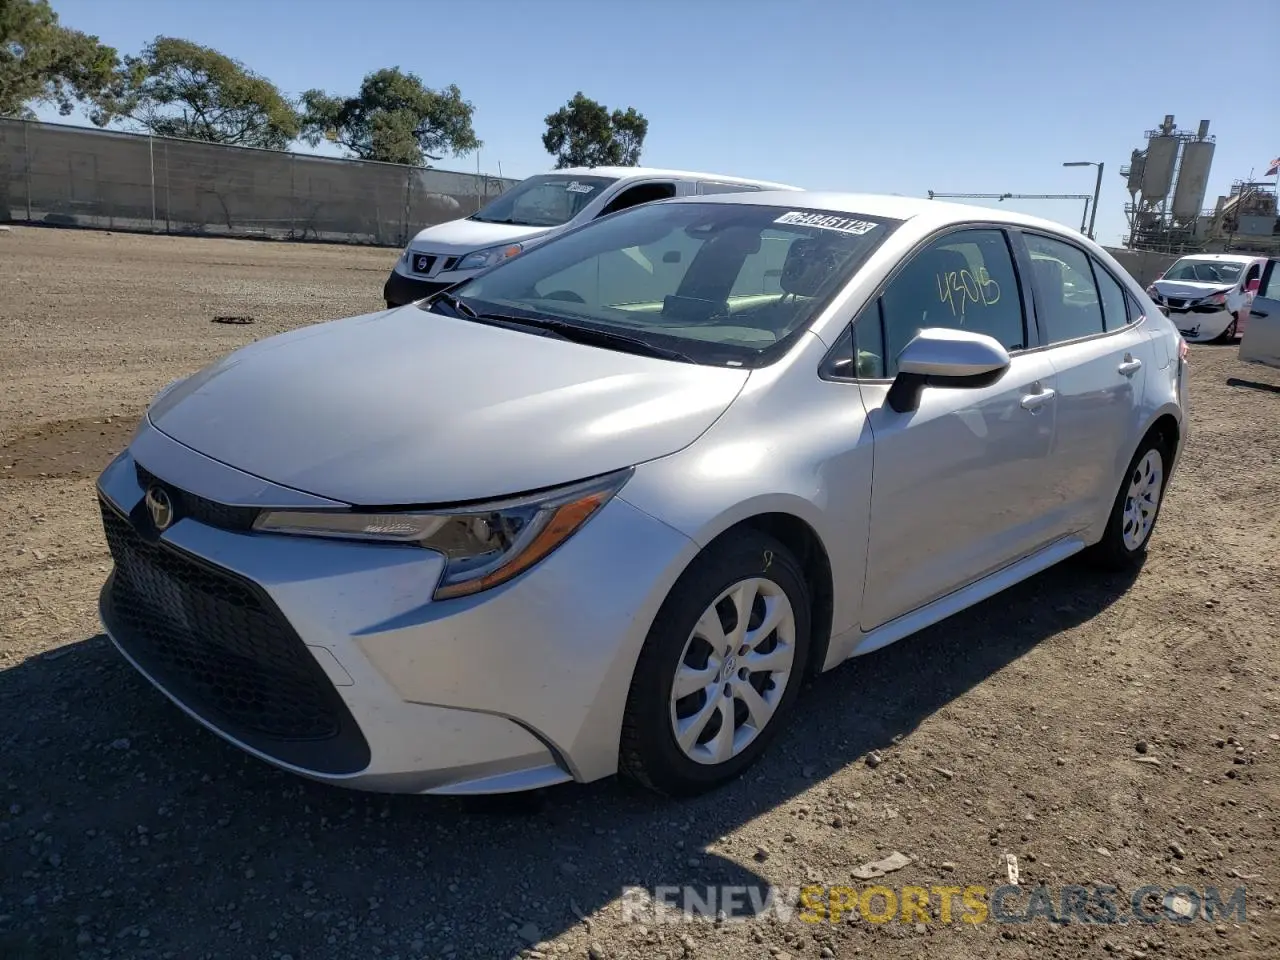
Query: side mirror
(940, 357)
(1253, 285)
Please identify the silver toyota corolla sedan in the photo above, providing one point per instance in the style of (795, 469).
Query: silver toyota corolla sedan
(604, 506)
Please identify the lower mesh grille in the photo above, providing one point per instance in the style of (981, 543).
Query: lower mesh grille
(218, 644)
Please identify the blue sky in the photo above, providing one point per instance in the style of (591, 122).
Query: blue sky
(986, 96)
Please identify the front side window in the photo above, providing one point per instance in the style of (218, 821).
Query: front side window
(963, 281)
(547, 200)
(1067, 300)
(720, 282)
(1203, 271)
(1270, 289)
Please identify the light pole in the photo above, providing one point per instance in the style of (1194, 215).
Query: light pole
(1093, 216)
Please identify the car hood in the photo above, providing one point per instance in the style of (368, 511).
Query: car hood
(1189, 289)
(464, 236)
(408, 407)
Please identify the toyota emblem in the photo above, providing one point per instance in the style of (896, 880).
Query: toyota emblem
(160, 507)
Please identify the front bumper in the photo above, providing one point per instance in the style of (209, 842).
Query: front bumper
(402, 288)
(329, 658)
(1197, 326)
(399, 289)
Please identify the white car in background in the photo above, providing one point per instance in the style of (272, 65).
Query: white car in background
(1207, 296)
(535, 210)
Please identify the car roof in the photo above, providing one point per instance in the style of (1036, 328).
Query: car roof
(1224, 257)
(891, 206)
(632, 172)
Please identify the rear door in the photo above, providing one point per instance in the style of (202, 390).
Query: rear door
(1261, 340)
(1100, 357)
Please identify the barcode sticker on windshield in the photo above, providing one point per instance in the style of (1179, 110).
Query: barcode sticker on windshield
(577, 187)
(826, 221)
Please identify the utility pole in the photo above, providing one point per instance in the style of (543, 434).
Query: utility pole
(1097, 190)
(1023, 196)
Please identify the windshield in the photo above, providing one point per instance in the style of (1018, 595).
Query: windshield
(1204, 271)
(722, 283)
(543, 201)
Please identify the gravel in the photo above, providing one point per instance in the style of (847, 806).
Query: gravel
(128, 831)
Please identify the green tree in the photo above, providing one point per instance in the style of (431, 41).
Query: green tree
(394, 118)
(177, 88)
(583, 133)
(42, 61)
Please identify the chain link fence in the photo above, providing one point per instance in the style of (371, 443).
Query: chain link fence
(77, 176)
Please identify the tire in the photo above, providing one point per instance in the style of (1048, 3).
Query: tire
(1117, 550)
(649, 751)
(1229, 335)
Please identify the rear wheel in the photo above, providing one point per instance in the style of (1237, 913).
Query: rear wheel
(720, 668)
(1136, 508)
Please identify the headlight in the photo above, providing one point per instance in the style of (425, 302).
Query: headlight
(1217, 298)
(483, 544)
(487, 258)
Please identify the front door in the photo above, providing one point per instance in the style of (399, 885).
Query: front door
(958, 484)
(1261, 340)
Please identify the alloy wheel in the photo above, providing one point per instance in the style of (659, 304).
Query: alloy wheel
(733, 671)
(1142, 501)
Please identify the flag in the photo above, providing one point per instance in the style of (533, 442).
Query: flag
(1274, 168)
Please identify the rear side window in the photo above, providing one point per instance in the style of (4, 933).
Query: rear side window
(1136, 310)
(1067, 299)
(1114, 313)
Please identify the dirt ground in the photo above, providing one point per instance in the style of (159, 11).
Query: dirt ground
(1103, 731)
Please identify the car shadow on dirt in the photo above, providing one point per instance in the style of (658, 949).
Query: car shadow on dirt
(121, 814)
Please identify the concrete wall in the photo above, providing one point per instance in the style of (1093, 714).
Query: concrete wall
(1143, 265)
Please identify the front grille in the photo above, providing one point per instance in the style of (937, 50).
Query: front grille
(218, 644)
(1177, 303)
(198, 508)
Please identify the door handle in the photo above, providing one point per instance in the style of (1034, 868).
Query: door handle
(1034, 401)
(1130, 365)
(1258, 313)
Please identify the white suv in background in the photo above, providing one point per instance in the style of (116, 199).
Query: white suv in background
(535, 210)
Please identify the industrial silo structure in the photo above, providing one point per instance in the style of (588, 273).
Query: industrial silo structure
(1193, 179)
(1157, 171)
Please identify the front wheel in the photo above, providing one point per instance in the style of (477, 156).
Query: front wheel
(1136, 508)
(720, 667)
